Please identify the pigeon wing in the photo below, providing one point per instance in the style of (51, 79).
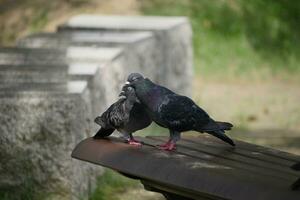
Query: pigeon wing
(115, 116)
(139, 118)
(119, 116)
(181, 113)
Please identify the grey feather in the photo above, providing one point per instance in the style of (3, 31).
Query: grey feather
(125, 115)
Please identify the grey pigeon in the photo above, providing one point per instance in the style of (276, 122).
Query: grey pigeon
(296, 184)
(175, 112)
(126, 115)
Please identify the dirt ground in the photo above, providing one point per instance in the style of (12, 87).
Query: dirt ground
(265, 112)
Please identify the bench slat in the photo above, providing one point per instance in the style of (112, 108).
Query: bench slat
(194, 170)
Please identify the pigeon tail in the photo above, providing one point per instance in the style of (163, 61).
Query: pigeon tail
(103, 133)
(220, 134)
(296, 185)
(98, 120)
(225, 125)
(215, 126)
(296, 166)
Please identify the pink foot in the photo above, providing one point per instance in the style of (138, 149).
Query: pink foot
(169, 146)
(134, 142)
(165, 144)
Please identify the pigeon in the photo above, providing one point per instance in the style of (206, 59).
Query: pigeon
(296, 184)
(126, 115)
(175, 112)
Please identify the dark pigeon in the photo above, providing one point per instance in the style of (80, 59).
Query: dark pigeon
(126, 115)
(296, 184)
(175, 112)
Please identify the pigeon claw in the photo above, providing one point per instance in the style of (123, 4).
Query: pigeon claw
(134, 142)
(164, 145)
(169, 146)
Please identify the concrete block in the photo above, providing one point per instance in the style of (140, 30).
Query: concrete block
(17, 55)
(62, 39)
(34, 73)
(40, 125)
(173, 42)
(139, 48)
(103, 68)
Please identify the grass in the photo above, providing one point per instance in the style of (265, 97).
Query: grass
(111, 184)
(228, 45)
(224, 59)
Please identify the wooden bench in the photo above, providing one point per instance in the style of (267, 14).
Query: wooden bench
(201, 167)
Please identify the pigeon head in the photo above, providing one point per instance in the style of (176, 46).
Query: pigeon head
(134, 77)
(128, 93)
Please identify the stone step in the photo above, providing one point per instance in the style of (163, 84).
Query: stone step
(102, 67)
(75, 87)
(139, 47)
(22, 55)
(41, 73)
(141, 23)
(38, 78)
(34, 73)
(62, 39)
(173, 36)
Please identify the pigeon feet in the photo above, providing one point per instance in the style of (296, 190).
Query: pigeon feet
(134, 142)
(165, 144)
(169, 146)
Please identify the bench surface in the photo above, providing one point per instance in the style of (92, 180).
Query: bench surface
(202, 167)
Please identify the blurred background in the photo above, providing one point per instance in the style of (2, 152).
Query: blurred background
(246, 64)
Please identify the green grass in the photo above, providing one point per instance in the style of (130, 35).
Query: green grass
(238, 39)
(39, 20)
(111, 184)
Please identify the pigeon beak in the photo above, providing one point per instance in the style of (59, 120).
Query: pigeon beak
(122, 97)
(121, 93)
(127, 83)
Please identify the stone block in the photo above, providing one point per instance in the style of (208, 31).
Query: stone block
(34, 73)
(63, 39)
(173, 42)
(40, 125)
(138, 47)
(102, 67)
(17, 55)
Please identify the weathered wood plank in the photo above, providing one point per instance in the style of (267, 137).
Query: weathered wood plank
(185, 172)
(227, 153)
(253, 170)
(283, 156)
